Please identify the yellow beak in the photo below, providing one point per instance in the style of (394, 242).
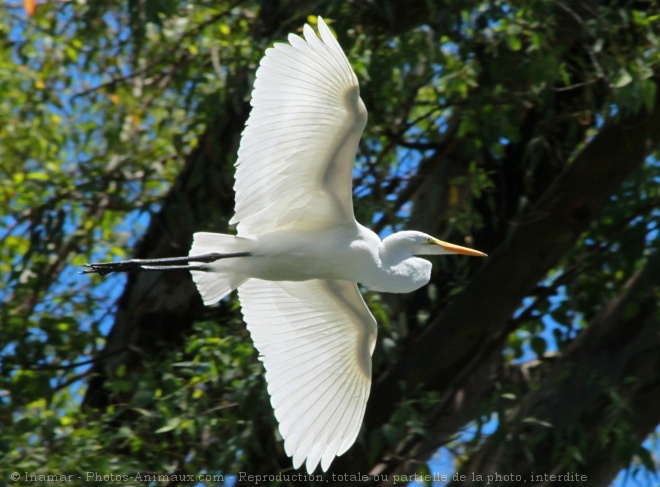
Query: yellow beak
(457, 249)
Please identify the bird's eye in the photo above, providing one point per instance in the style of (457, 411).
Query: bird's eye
(428, 241)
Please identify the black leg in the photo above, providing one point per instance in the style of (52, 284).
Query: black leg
(166, 264)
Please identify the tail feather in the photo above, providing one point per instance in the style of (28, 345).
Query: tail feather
(216, 280)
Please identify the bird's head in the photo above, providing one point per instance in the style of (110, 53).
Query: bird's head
(419, 243)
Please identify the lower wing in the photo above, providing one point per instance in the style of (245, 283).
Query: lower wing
(315, 339)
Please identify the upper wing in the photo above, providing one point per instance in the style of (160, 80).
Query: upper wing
(295, 161)
(315, 339)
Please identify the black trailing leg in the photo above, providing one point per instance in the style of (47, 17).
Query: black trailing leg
(167, 264)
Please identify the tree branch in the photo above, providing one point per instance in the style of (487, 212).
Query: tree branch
(606, 384)
(478, 316)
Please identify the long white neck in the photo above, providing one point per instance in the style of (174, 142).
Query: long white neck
(401, 271)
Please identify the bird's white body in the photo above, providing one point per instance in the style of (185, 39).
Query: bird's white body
(294, 210)
(347, 252)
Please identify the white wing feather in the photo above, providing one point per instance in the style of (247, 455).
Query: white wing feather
(295, 161)
(315, 339)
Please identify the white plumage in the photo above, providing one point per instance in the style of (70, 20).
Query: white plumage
(296, 155)
(294, 212)
(315, 339)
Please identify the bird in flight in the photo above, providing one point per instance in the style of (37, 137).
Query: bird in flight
(299, 252)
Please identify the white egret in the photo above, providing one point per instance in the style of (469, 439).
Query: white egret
(299, 251)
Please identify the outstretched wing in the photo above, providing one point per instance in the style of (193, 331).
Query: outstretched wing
(315, 339)
(295, 161)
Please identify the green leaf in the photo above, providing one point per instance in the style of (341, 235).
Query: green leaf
(171, 424)
(622, 79)
(514, 42)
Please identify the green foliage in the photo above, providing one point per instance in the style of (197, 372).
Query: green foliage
(103, 103)
(192, 416)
